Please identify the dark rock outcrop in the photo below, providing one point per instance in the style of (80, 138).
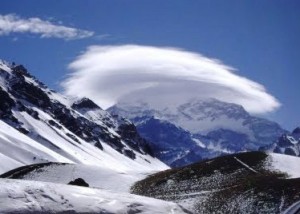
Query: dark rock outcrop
(79, 182)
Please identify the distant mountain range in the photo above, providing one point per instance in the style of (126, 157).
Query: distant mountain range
(198, 129)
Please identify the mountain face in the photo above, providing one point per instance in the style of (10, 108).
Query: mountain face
(200, 129)
(40, 125)
(250, 182)
(169, 143)
(288, 143)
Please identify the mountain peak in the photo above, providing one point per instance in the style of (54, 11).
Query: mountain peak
(208, 127)
(195, 115)
(5, 65)
(296, 131)
(212, 108)
(20, 70)
(85, 103)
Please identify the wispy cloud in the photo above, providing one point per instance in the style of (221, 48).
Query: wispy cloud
(161, 76)
(103, 36)
(12, 23)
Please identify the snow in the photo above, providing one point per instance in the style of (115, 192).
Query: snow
(52, 144)
(17, 149)
(9, 163)
(206, 125)
(67, 101)
(98, 116)
(218, 147)
(285, 163)
(4, 66)
(196, 116)
(98, 177)
(31, 81)
(199, 143)
(203, 116)
(18, 196)
(44, 190)
(292, 140)
(84, 153)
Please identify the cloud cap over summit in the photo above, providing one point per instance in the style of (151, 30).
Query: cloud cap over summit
(161, 76)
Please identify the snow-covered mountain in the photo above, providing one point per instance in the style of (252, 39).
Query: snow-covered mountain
(210, 128)
(38, 124)
(174, 145)
(288, 143)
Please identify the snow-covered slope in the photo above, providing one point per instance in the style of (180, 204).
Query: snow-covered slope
(97, 177)
(217, 127)
(17, 149)
(38, 124)
(284, 163)
(19, 196)
(42, 188)
(251, 182)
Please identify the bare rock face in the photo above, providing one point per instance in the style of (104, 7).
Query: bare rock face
(296, 131)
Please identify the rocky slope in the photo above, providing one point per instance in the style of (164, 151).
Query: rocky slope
(288, 143)
(252, 182)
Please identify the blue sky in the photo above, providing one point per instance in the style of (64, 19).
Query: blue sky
(261, 39)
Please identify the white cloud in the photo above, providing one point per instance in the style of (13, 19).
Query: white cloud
(161, 76)
(12, 23)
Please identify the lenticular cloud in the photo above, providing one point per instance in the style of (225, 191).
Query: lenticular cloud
(161, 76)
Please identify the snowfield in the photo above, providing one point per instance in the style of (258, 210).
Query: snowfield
(285, 163)
(16, 149)
(19, 196)
(97, 177)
